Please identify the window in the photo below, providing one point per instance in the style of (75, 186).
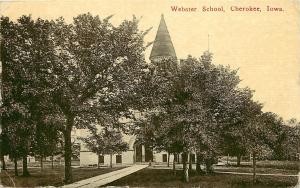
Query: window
(118, 158)
(101, 159)
(176, 158)
(192, 158)
(165, 156)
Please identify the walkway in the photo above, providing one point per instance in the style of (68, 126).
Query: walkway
(298, 184)
(104, 179)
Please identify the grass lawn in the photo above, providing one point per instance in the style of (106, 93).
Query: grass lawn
(49, 176)
(45, 164)
(288, 165)
(259, 170)
(165, 178)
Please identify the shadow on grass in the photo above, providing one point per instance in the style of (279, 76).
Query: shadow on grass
(165, 178)
(50, 177)
(287, 165)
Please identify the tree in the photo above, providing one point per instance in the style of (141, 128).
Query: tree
(212, 86)
(4, 141)
(277, 135)
(255, 145)
(105, 141)
(22, 107)
(19, 139)
(162, 134)
(293, 142)
(46, 139)
(113, 143)
(95, 144)
(231, 132)
(16, 123)
(253, 132)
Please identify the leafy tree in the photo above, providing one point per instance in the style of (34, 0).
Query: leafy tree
(231, 132)
(4, 150)
(253, 131)
(293, 141)
(46, 139)
(16, 115)
(276, 134)
(162, 134)
(20, 136)
(281, 137)
(95, 143)
(158, 87)
(212, 87)
(107, 141)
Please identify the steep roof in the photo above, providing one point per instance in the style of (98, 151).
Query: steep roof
(162, 46)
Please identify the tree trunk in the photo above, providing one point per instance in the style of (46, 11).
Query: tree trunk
(168, 159)
(190, 163)
(227, 161)
(52, 166)
(174, 165)
(41, 161)
(254, 167)
(111, 161)
(239, 156)
(68, 150)
(98, 166)
(3, 163)
(208, 163)
(198, 164)
(25, 167)
(185, 167)
(16, 166)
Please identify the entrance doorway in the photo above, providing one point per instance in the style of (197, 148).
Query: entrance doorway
(148, 154)
(118, 158)
(138, 153)
(143, 153)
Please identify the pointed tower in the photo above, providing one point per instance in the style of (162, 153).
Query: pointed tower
(162, 47)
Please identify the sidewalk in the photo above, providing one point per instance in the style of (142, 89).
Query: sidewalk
(104, 179)
(298, 184)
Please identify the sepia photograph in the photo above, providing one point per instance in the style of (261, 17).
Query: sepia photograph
(150, 93)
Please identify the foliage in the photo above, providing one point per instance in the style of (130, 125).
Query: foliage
(85, 71)
(105, 141)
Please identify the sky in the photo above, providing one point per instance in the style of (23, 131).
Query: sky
(264, 46)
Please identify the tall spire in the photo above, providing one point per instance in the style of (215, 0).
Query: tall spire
(162, 46)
